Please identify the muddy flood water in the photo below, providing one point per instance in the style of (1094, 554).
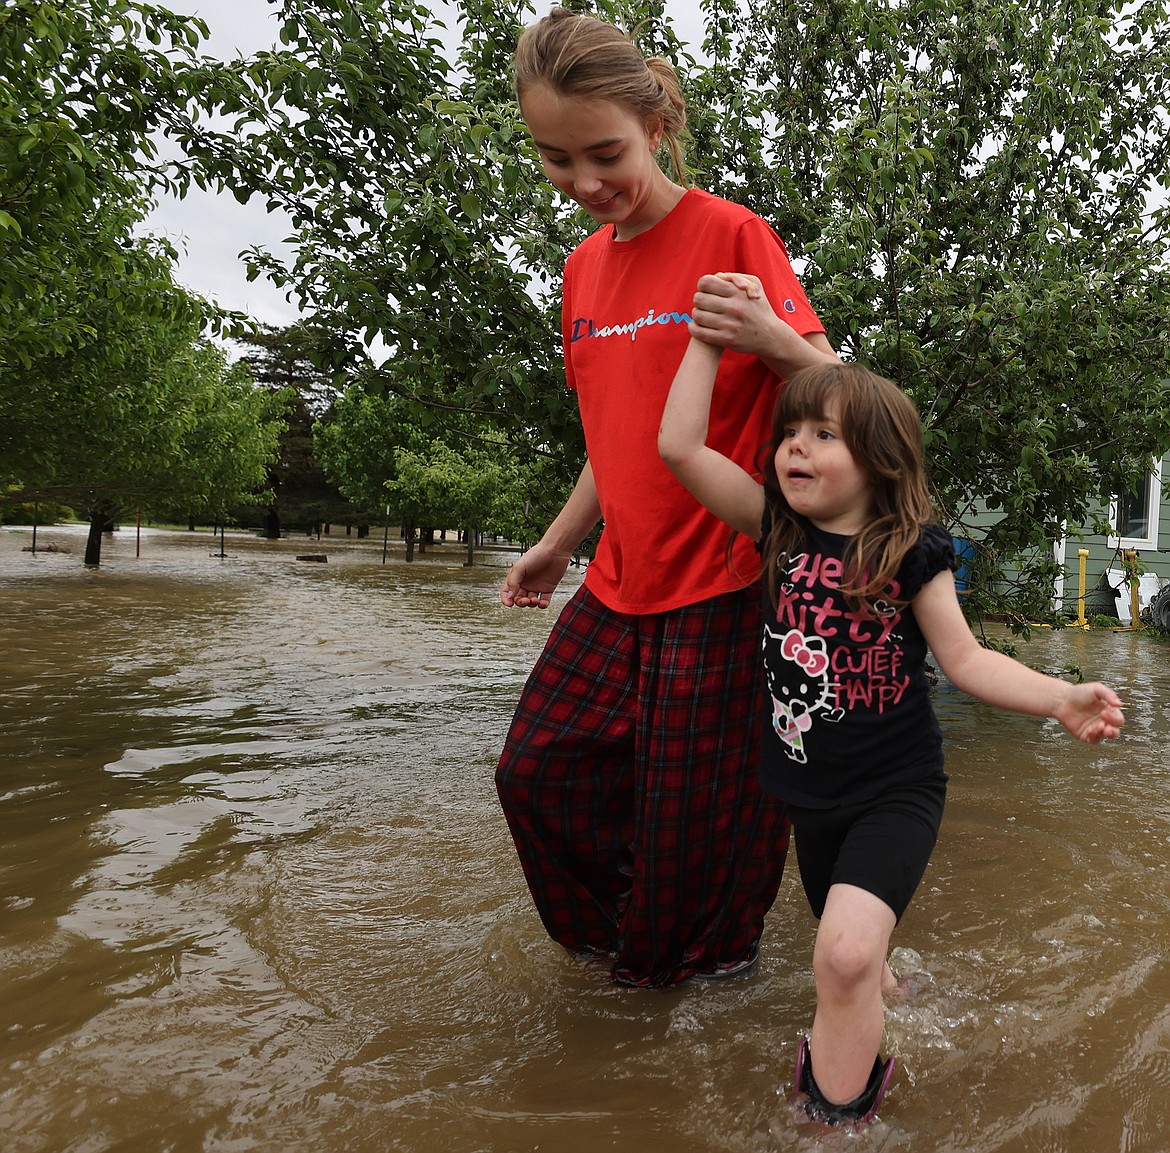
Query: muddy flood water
(256, 892)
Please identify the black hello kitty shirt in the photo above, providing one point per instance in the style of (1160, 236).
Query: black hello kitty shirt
(850, 711)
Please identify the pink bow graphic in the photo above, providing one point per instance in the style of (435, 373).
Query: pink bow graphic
(795, 649)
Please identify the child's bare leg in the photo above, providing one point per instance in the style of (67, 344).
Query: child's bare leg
(889, 981)
(849, 962)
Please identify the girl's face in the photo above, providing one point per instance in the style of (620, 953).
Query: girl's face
(601, 155)
(819, 477)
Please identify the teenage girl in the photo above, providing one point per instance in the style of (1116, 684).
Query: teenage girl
(859, 583)
(628, 778)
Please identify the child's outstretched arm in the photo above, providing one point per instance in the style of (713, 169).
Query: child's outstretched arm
(716, 481)
(1091, 712)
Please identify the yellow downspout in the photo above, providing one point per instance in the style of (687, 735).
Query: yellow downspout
(1131, 562)
(1080, 622)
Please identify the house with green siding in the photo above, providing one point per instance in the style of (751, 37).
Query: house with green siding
(1139, 521)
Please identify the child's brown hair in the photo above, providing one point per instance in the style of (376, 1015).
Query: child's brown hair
(882, 429)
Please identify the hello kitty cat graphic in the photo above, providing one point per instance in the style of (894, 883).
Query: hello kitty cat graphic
(797, 670)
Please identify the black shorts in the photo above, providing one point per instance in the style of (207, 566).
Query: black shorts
(882, 846)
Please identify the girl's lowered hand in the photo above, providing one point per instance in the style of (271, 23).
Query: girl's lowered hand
(533, 578)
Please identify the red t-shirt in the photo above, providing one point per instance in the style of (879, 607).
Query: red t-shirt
(626, 308)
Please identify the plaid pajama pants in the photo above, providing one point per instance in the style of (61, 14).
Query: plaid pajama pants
(628, 780)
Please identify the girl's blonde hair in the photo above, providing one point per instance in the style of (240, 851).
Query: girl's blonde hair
(882, 429)
(582, 56)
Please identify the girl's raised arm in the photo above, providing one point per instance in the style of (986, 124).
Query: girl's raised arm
(1091, 712)
(731, 310)
(717, 482)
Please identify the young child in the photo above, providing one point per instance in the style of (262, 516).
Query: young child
(858, 584)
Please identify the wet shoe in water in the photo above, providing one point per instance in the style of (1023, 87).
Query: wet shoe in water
(861, 1109)
(718, 973)
(731, 968)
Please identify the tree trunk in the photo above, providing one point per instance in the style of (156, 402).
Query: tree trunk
(408, 533)
(93, 543)
(470, 534)
(272, 523)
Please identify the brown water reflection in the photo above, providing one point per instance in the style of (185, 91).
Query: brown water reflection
(256, 894)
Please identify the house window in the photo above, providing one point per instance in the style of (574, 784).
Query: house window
(1133, 511)
(1134, 515)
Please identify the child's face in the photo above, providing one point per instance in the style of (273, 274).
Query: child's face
(820, 478)
(601, 155)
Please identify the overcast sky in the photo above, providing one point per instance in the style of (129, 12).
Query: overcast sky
(210, 231)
